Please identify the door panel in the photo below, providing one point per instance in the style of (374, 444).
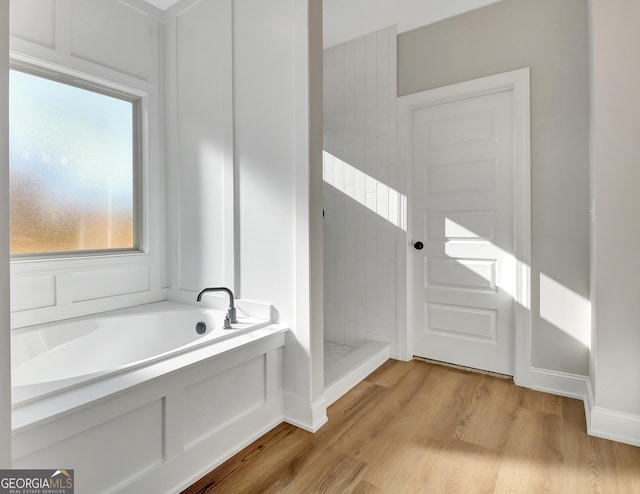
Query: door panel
(461, 274)
(463, 203)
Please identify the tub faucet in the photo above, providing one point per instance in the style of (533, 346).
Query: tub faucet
(231, 311)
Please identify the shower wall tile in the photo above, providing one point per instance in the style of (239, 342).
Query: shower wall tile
(361, 199)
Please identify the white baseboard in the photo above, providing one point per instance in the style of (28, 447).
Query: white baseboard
(601, 422)
(559, 383)
(349, 371)
(300, 413)
(340, 378)
(611, 424)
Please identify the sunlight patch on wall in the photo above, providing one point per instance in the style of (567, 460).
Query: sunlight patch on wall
(565, 309)
(371, 193)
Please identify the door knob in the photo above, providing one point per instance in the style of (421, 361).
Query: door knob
(418, 245)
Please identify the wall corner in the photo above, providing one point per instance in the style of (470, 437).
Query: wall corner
(5, 338)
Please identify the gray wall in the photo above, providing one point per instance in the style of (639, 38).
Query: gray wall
(550, 37)
(615, 155)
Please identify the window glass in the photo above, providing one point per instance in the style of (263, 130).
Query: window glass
(72, 167)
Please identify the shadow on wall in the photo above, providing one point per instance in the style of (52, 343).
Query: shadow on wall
(363, 217)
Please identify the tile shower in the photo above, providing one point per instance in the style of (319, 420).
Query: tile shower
(362, 196)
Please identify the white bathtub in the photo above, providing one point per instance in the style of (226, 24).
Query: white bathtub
(51, 357)
(140, 391)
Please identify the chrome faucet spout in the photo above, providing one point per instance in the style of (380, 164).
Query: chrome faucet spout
(231, 311)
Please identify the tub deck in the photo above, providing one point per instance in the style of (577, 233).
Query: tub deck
(159, 426)
(34, 404)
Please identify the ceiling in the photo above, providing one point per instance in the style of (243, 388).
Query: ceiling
(348, 19)
(162, 4)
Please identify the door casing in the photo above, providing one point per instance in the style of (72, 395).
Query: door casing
(517, 82)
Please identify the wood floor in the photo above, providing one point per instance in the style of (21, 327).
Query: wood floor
(419, 427)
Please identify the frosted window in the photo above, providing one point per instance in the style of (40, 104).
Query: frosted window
(71, 167)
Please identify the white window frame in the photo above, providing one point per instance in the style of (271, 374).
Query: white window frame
(149, 251)
(136, 102)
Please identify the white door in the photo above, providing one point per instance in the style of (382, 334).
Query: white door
(464, 275)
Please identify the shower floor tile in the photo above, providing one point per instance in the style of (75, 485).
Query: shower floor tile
(334, 351)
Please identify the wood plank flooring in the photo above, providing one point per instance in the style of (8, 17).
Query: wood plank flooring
(424, 428)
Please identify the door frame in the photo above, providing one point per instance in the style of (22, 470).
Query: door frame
(516, 81)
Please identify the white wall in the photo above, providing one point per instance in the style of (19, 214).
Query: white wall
(273, 149)
(276, 178)
(360, 224)
(615, 154)
(264, 136)
(309, 226)
(78, 37)
(199, 126)
(5, 345)
(244, 167)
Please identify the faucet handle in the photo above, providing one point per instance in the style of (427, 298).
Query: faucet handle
(227, 323)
